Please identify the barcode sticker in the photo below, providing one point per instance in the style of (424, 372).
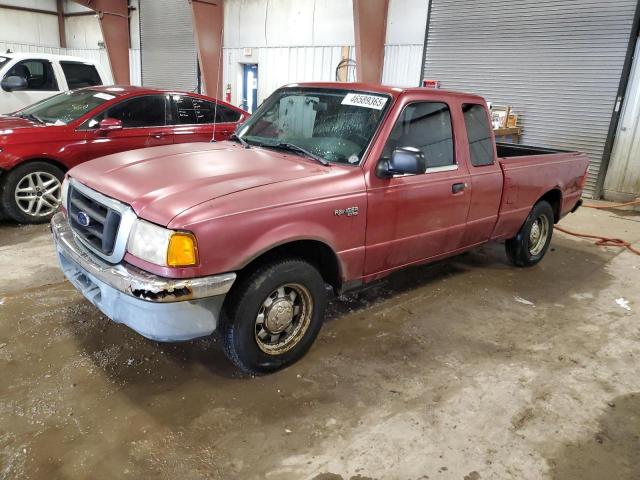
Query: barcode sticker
(367, 101)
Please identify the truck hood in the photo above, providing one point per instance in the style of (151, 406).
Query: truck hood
(161, 182)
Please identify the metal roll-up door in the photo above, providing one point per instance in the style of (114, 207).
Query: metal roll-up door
(167, 45)
(558, 63)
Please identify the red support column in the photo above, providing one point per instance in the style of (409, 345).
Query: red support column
(208, 22)
(114, 22)
(370, 27)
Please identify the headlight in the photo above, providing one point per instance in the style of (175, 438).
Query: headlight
(162, 246)
(64, 192)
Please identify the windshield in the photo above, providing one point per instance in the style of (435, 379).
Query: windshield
(336, 125)
(65, 107)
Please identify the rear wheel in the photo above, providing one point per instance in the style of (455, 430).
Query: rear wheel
(31, 192)
(272, 317)
(532, 241)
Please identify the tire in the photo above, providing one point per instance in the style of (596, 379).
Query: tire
(262, 304)
(528, 247)
(40, 180)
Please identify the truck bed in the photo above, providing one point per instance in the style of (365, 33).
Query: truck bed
(506, 150)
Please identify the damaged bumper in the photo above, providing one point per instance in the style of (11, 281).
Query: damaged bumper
(158, 308)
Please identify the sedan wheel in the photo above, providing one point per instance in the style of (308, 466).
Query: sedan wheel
(38, 194)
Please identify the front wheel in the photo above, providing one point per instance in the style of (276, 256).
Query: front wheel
(532, 241)
(272, 317)
(31, 192)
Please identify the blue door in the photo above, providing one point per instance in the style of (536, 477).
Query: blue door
(250, 87)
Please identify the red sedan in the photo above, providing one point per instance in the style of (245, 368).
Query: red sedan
(39, 143)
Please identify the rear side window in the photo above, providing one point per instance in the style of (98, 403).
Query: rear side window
(427, 127)
(476, 121)
(38, 73)
(80, 75)
(192, 110)
(147, 111)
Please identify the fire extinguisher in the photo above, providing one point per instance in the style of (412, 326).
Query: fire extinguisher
(227, 93)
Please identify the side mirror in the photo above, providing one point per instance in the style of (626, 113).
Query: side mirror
(109, 125)
(14, 82)
(404, 161)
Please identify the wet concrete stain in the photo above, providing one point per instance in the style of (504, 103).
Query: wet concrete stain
(613, 451)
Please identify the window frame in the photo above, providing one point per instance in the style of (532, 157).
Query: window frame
(43, 61)
(71, 62)
(85, 125)
(443, 168)
(491, 138)
(175, 116)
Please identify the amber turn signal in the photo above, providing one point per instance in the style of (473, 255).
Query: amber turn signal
(182, 251)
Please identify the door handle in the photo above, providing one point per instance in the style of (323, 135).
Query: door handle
(158, 135)
(458, 187)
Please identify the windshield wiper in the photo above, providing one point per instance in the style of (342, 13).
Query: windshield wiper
(296, 148)
(32, 117)
(242, 141)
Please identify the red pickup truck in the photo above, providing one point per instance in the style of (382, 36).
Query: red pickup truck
(332, 184)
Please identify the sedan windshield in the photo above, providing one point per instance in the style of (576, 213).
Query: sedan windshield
(65, 107)
(333, 125)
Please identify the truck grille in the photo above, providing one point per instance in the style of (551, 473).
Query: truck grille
(95, 223)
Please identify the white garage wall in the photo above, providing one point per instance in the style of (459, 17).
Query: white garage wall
(290, 40)
(406, 24)
(42, 28)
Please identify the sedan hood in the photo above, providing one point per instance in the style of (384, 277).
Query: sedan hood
(161, 182)
(13, 123)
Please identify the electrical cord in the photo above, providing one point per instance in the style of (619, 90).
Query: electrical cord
(605, 241)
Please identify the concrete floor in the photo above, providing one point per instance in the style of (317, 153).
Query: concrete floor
(466, 369)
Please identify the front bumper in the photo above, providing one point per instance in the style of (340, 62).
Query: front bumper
(158, 308)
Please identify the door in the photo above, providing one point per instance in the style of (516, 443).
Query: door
(143, 125)
(41, 84)
(195, 120)
(486, 175)
(250, 87)
(622, 183)
(412, 218)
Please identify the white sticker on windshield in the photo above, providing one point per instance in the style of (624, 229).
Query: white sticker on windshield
(367, 101)
(104, 96)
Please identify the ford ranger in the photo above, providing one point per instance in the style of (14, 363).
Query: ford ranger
(327, 184)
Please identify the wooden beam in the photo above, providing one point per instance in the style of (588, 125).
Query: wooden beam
(61, 27)
(208, 22)
(114, 23)
(370, 27)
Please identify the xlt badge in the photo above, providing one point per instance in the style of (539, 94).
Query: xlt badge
(349, 212)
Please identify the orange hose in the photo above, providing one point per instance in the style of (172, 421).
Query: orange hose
(602, 241)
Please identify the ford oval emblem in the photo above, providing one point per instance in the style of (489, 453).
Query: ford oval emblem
(83, 219)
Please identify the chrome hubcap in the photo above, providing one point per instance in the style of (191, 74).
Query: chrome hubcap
(38, 194)
(283, 318)
(538, 235)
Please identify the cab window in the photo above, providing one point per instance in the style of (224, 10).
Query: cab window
(476, 122)
(427, 127)
(80, 75)
(38, 73)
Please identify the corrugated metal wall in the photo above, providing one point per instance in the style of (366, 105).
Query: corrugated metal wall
(279, 66)
(402, 65)
(167, 45)
(558, 63)
(623, 177)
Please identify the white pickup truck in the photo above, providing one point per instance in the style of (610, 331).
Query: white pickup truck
(27, 78)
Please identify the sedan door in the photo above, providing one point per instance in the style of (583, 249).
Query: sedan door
(196, 119)
(144, 124)
(412, 218)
